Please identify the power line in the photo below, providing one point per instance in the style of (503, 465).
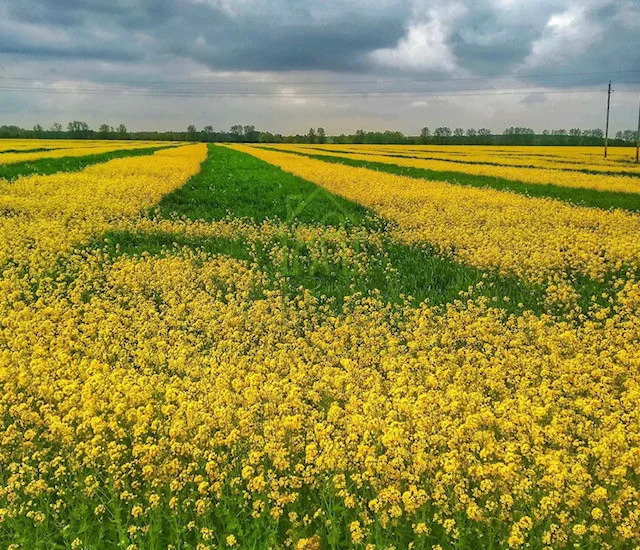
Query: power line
(325, 82)
(411, 88)
(294, 94)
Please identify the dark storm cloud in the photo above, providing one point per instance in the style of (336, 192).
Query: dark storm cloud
(77, 12)
(304, 47)
(484, 38)
(490, 41)
(61, 52)
(280, 36)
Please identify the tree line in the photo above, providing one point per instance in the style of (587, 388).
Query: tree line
(442, 135)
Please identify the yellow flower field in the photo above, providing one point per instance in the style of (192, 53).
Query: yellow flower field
(45, 215)
(619, 159)
(204, 374)
(77, 148)
(554, 174)
(30, 144)
(409, 426)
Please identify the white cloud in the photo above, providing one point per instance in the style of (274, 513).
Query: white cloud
(234, 8)
(568, 34)
(425, 46)
(290, 96)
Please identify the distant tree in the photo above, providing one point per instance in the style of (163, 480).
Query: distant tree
(250, 133)
(442, 131)
(311, 136)
(104, 130)
(236, 132)
(388, 136)
(518, 131)
(442, 134)
(574, 136)
(513, 135)
(78, 129)
(518, 135)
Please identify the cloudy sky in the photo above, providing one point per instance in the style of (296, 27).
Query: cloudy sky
(285, 65)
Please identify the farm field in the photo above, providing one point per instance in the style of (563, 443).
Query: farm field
(27, 157)
(268, 346)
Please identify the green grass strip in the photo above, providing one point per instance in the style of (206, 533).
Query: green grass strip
(416, 271)
(577, 196)
(404, 272)
(237, 184)
(68, 164)
(37, 150)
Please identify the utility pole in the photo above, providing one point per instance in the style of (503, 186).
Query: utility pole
(606, 129)
(638, 136)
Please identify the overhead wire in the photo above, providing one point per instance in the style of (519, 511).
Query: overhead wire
(324, 82)
(282, 89)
